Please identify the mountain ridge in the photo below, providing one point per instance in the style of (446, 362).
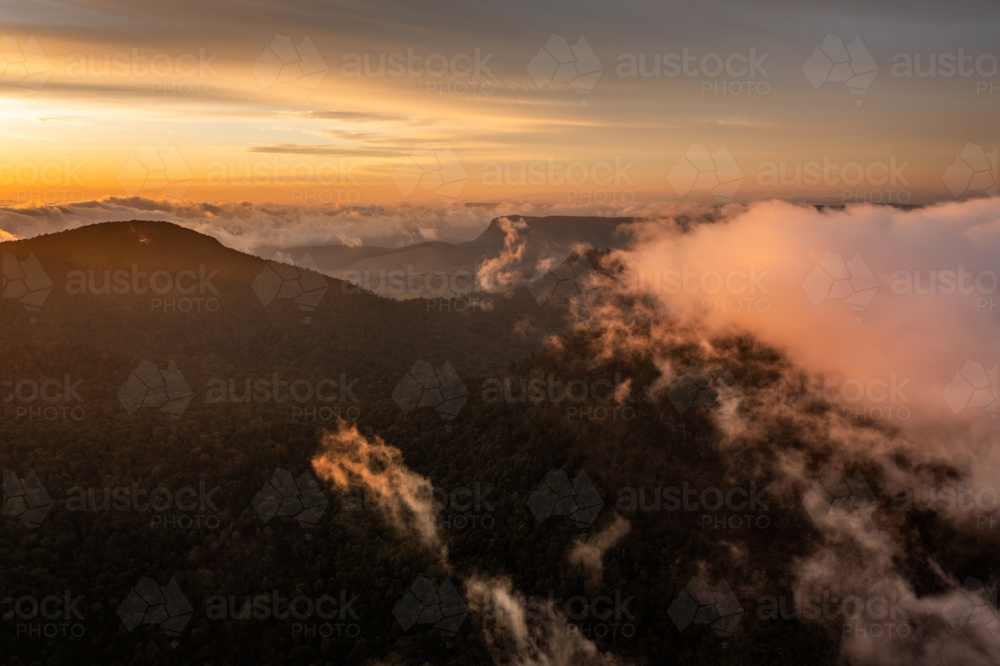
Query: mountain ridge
(541, 236)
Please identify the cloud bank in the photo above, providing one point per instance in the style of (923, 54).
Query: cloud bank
(886, 323)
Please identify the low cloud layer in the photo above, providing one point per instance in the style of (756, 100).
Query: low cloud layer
(920, 302)
(874, 309)
(247, 227)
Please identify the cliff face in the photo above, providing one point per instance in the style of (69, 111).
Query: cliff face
(601, 233)
(541, 236)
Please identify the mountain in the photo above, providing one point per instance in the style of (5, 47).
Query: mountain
(119, 288)
(541, 236)
(143, 359)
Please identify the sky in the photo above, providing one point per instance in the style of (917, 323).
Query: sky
(353, 105)
(276, 123)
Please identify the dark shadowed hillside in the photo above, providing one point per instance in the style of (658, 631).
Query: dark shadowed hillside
(211, 375)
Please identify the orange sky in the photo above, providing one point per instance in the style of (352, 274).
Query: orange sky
(233, 101)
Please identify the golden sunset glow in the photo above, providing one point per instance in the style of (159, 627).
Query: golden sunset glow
(450, 332)
(291, 107)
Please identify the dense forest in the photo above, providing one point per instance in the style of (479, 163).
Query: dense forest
(159, 492)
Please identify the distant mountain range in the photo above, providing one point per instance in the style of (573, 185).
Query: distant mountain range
(541, 237)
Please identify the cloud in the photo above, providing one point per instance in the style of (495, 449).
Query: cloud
(590, 553)
(781, 343)
(350, 459)
(516, 638)
(495, 274)
(245, 226)
(248, 226)
(364, 150)
(361, 117)
(751, 271)
(357, 137)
